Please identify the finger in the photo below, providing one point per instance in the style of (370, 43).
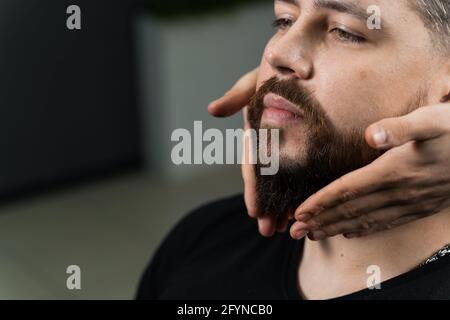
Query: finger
(237, 98)
(354, 208)
(250, 190)
(418, 125)
(355, 184)
(381, 219)
(378, 200)
(266, 225)
(299, 230)
(341, 227)
(399, 222)
(248, 171)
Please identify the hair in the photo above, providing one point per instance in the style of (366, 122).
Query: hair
(436, 17)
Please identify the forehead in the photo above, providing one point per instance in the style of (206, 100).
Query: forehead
(394, 14)
(389, 6)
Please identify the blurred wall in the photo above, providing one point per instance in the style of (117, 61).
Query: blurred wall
(66, 97)
(184, 64)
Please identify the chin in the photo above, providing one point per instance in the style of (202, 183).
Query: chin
(293, 153)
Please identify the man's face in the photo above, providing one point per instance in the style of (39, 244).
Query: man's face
(347, 75)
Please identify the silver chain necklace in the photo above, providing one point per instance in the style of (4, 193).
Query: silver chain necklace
(439, 254)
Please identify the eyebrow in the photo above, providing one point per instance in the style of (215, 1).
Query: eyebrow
(344, 7)
(339, 6)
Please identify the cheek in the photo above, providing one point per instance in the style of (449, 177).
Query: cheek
(350, 97)
(358, 92)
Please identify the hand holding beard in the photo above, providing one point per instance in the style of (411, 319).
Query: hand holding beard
(409, 181)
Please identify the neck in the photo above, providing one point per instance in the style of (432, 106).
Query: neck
(339, 266)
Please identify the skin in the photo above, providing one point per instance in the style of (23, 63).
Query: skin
(390, 191)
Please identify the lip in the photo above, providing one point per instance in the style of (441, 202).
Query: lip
(278, 110)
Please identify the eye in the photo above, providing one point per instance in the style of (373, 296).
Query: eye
(282, 23)
(345, 36)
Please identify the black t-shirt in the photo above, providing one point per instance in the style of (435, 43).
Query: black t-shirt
(216, 252)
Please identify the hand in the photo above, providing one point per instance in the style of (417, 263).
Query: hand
(409, 182)
(233, 101)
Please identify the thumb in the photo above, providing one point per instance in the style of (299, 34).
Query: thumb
(422, 124)
(236, 98)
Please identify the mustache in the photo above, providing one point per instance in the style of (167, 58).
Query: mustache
(294, 92)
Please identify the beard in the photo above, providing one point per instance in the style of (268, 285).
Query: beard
(326, 155)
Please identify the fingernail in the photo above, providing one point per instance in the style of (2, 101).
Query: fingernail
(300, 234)
(317, 235)
(380, 137)
(305, 217)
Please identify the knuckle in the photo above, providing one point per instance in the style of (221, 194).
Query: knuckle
(366, 222)
(347, 195)
(347, 211)
(331, 230)
(389, 225)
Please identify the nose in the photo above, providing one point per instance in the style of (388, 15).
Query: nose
(288, 56)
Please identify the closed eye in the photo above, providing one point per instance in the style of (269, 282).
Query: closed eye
(346, 36)
(282, 23)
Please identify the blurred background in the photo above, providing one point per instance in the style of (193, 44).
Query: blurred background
(85, 122)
